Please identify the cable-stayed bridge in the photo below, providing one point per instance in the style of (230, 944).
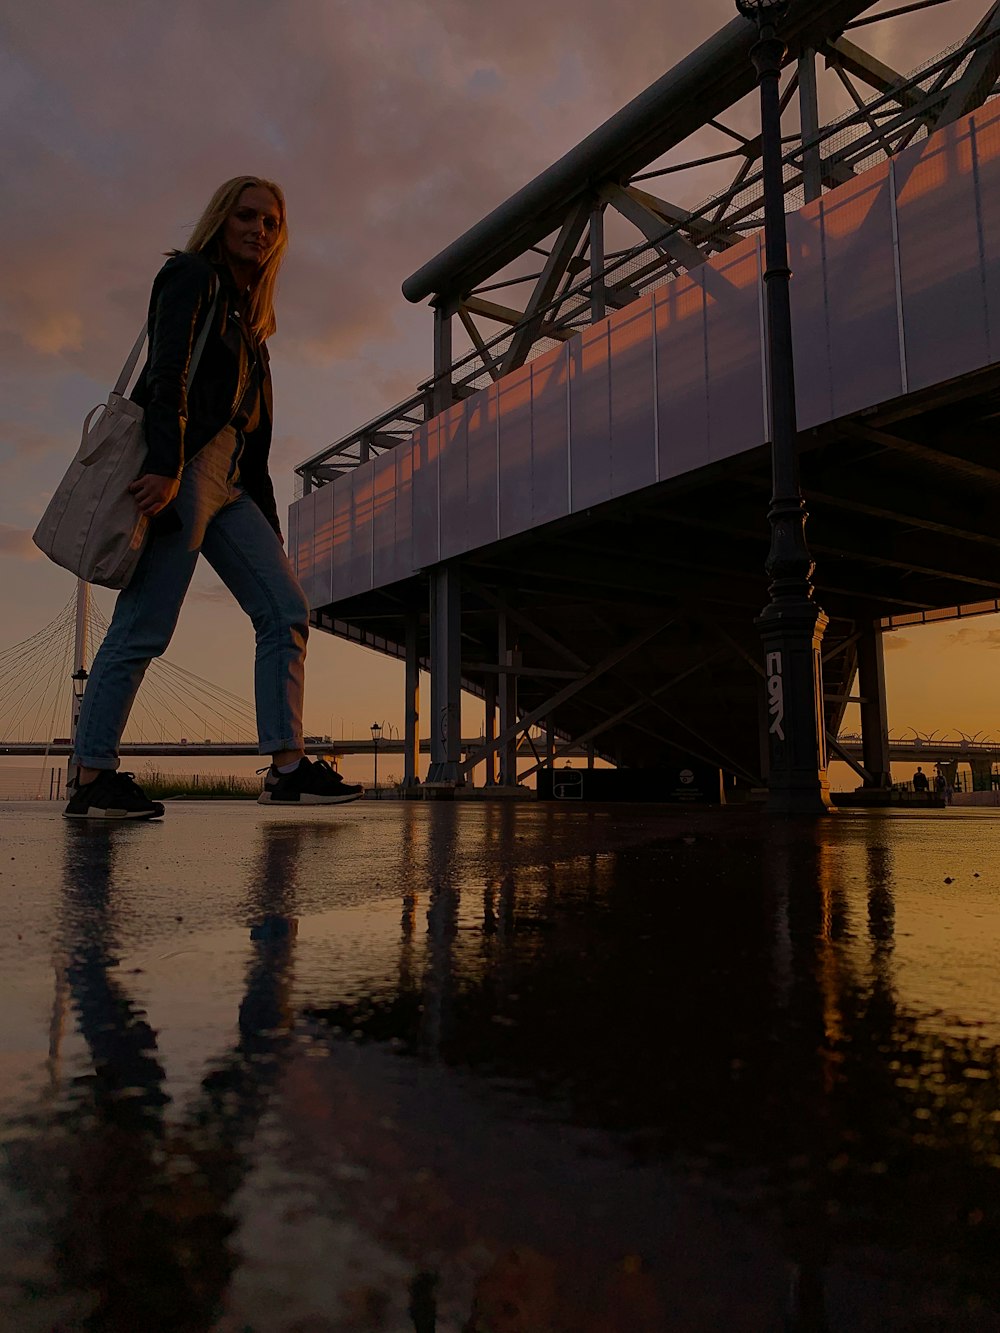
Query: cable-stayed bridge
(176, 712)
(37, 695)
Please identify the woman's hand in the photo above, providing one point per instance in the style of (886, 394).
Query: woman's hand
(153, 493)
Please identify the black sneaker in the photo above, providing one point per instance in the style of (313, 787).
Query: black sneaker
(112, 795)
(309, 784)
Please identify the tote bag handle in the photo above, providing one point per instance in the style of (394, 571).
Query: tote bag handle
(133, 357)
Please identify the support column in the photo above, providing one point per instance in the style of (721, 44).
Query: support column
(446, 676)
(508, 703)
(441, 394)
(411, 705)
(550, 743)
(812, 160)
(982, 773)
(490, 729)
(791, 625)
(598, 305)
(874, 714)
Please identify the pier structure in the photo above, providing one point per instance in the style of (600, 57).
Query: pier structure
(569, 519)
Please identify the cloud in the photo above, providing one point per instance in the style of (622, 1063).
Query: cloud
(28, 440)
(894, 643)
(113, 146)
(967, 637)
(17, 542)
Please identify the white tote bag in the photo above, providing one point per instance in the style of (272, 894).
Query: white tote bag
(92, 525)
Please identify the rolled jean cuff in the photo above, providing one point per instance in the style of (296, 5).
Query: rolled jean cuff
(81, 761)
(283, 743)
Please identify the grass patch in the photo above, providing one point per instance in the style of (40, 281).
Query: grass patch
(201, 786)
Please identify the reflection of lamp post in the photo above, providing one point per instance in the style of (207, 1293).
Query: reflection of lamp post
(791, 625)
(376, 737)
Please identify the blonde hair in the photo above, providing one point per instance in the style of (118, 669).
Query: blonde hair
(260, 309)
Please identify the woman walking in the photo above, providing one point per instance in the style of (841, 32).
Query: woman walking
(206, 490)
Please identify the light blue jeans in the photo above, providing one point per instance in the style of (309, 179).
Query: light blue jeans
(220, 521)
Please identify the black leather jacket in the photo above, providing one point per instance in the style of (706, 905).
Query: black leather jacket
(178, 422)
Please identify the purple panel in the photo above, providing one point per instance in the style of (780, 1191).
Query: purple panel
(343, 499)
(453, 473)
(633, 398)
(403, 457)
(515, 451)
(296, 508)
(861, 292)
(481, 444)
(292, 530)
(320, 591)
(590, 416)
(810, 335)
(386, 562)
(736, 420)
(681, 380)
(549, 436)
(322, 541)
(425, 495)
(362, 512)
(301, 552)
(944, 313)
(986, 141)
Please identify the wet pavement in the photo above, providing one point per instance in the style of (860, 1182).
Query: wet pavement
(499, 1069)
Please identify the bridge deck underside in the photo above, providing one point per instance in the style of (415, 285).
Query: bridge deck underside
(901, 504)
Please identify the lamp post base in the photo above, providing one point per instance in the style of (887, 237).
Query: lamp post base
(791, 631)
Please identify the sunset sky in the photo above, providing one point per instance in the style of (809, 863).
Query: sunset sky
(393, 125)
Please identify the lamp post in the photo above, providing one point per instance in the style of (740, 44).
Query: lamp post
(376, 737)
(791, 625)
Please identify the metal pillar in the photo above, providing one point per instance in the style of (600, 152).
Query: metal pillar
(812, 159)
(597, 300)
(490, 729)
(446, 676)
(791, 625)
(508, 703)
(982, 773)
(441, 398)
(411, 705)
(550, 743)
(874, 713)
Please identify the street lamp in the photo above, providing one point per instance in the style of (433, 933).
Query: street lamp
(79, 679)
(376, 737)
(791, 625)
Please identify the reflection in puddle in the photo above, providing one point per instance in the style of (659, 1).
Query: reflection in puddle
(509, 1068)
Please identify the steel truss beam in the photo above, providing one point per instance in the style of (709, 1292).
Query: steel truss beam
(614, 159)
(980, 75)
(625, 713)
(568, 691)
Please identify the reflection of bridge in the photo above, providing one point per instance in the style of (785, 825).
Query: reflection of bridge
(585, 493)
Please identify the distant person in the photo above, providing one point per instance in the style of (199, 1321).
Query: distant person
(920, 782)
(208, 491)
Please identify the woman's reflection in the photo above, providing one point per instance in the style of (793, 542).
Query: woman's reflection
(145, 1208)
